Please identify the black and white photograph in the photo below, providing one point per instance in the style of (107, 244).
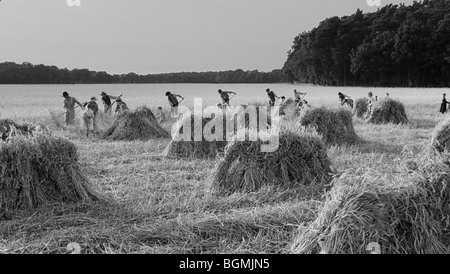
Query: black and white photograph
(245, 131)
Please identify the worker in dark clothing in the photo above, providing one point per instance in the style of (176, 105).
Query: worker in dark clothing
(345, 99)
(173, 101)
(298, 97)
(283, 99)
(272, 97)
(225, 97)
(107, 104)
(444, 104)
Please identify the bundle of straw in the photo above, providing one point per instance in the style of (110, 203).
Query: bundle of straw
(387, 111)
(335, 125)
(41, 170)
(248, 118)
(440, 141)
(408, 213)
(138, 125)
(145, 111)
(361, 107)
(301, 162)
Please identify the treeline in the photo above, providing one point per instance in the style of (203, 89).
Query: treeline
(398, 45)
(26, 73)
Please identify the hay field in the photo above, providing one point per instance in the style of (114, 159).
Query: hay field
(164, 205)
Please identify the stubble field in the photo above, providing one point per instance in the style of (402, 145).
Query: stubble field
(161, 205)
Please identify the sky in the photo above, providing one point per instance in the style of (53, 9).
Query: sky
(159, 36)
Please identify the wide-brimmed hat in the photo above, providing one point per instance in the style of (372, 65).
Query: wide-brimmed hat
(65, 93)
(103, 93)
(167, 93)
(93, 98)
(119, 100)
(268, 89)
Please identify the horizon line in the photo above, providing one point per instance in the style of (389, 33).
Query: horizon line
(140, 74)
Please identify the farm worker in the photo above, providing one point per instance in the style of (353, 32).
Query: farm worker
(272, 97)
(69, 105)
(443, 109)
(225, 97)
(173, 101)
(369, 104)
(298, 97)
(90, 116)
(160, 116)
(283, 99)
(120, 106)
(345, 99)
(107, 104)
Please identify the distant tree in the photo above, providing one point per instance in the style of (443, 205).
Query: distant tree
(26, 73)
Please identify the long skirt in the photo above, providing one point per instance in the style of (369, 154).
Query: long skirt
(443, 108)
(70, 117)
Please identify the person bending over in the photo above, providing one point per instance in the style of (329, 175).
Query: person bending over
(226, 97)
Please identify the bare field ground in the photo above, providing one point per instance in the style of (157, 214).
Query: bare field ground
(160, 205)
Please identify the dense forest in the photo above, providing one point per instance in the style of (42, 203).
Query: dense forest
(26, 73)
(398, 45)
